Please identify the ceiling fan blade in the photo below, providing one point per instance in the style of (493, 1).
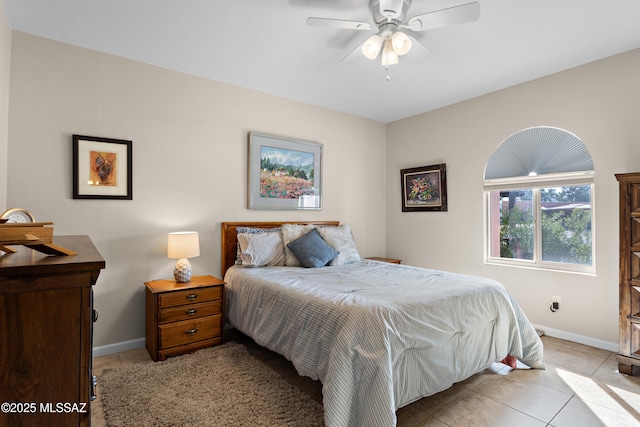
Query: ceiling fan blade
(442, 18)
(338, 23)
(422, 52)
(352, 50)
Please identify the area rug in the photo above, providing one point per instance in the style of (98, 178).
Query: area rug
(219, 386)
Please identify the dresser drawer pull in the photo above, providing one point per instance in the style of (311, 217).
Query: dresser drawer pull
(191, 331)
(191, 297)
(191, 311)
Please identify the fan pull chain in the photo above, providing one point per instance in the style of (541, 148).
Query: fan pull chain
(388, 76)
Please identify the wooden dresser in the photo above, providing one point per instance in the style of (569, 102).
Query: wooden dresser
(629, 351)
(46, 323)
(183, 317)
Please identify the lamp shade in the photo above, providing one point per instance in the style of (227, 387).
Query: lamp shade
(401, 43)
(183, 245)
(389, 56)
(371, 47)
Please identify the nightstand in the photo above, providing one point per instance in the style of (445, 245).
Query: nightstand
(391, 260)
(183, 317)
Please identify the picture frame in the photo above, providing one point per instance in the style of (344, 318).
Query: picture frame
(102, 168)
(284, 173)
(424, 188)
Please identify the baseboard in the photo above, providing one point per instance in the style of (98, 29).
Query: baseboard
(103, 350)
(581, 339)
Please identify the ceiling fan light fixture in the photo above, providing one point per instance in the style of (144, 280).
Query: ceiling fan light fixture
(372, 46)
(389, 56)
(388, 16)
(401, 43)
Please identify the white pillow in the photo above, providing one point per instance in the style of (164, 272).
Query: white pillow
(261, 250)
(341, 239)
(251, 230)
(291, 232)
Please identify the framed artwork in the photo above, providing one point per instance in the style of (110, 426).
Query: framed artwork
(284, 173)
(102, 168)
(424, 188)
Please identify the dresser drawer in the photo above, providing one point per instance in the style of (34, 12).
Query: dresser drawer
(188, 331)
(190, 311)
(189, 296)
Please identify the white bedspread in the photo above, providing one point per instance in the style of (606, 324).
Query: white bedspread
(379, 336)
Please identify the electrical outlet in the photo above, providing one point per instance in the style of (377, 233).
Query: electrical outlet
(555, 302)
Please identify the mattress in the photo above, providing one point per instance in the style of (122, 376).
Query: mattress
(377, 335)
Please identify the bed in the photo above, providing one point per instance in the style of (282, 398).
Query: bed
(377, 335)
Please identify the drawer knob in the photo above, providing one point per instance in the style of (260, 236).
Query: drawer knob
(191, 297)
(191, 311)
(191, 331)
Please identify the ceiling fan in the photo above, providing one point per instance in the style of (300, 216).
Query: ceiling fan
(389, 17)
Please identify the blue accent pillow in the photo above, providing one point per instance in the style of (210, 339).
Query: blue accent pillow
(311, 250)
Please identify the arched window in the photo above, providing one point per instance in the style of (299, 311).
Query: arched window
(539, 202)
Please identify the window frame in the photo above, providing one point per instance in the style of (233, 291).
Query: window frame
(535, 183)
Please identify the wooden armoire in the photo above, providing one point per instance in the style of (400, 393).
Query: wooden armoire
(629, 351)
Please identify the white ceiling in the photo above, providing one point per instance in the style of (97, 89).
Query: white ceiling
(267, 46)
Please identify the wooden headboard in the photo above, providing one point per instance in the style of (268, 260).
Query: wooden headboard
(230, 240)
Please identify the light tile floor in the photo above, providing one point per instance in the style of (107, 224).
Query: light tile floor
(581, 387)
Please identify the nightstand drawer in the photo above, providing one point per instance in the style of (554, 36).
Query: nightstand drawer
(190, 311)
(189, 296)
(183, 317)
(188, 331)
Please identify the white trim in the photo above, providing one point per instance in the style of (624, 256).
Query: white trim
(581, 339)
(550, 179)
(559, 267)
(103, 350)
(537, 262)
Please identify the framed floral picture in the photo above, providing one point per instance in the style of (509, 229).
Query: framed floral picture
(424, 188)
(102, 168)
(284, 173)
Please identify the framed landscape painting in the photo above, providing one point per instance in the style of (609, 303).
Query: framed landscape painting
(284, 173)
(424, 188)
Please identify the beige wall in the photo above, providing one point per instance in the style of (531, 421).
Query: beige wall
(190, 154)
(189, 164)
(600, 103)
(5, 64)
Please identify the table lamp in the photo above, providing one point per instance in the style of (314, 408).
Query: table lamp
(181, 246)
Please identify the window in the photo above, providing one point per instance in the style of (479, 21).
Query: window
(540, 212)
